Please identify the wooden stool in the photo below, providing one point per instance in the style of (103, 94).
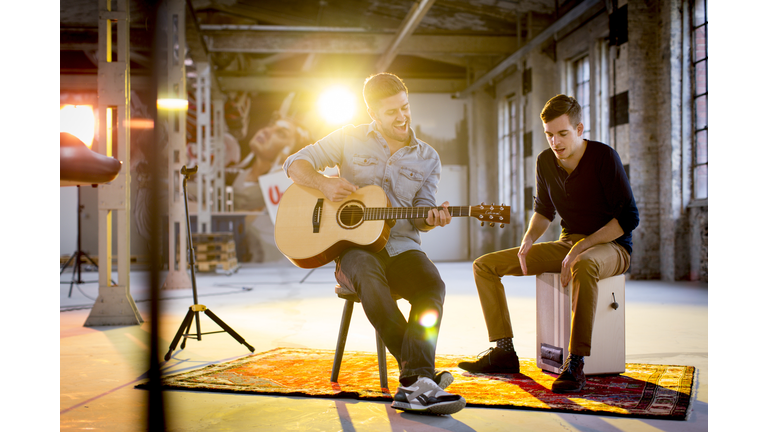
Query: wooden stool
(553, 325)
(346, 317)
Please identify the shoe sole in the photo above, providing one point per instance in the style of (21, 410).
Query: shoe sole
(563, 391)
(445, 380)
(442, 408)
(568, 391)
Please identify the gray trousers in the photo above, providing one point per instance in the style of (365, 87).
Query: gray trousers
(377, 278)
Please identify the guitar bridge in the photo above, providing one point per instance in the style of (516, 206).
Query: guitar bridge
(317, 214)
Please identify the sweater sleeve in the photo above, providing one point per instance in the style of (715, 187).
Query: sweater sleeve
(542, 201)
(618, 192)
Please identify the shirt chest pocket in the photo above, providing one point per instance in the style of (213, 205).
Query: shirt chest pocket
(408, 182)
(364, 169)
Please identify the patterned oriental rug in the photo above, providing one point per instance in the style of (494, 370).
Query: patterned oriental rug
(644, 390)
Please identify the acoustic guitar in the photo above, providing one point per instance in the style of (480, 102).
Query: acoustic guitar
(311, 230)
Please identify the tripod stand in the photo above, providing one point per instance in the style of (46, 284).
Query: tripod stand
(195, 309)
(76, 256)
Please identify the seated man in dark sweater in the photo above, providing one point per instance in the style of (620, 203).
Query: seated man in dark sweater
(585, 182)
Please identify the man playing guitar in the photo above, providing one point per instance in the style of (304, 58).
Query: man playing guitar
(387, 153)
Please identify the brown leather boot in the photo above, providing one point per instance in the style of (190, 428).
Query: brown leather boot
(572, 378)
(494, 360)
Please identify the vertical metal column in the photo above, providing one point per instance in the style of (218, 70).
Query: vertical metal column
(205, 175)
(175, 87)
(219, 153)
(114, 305)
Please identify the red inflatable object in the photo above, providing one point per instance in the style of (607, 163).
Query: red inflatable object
(82, 166)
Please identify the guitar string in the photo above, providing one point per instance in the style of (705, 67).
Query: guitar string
(379, 213)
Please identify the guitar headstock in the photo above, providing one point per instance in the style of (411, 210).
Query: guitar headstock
(492, 214)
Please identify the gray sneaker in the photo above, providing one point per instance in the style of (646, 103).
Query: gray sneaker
(443, 379)
(426, 397)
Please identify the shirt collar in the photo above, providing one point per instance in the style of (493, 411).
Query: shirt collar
(415, 142)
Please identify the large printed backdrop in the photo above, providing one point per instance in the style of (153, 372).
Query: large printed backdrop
(644, 390)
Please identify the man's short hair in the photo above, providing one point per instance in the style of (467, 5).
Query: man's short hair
(381, 86)
(559, 105)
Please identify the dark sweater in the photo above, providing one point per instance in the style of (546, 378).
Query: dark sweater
(594, 193)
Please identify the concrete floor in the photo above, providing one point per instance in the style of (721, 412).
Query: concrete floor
(666, 323)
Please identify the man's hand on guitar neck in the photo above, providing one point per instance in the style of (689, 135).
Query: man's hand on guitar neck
(439, 217)
(336, 188)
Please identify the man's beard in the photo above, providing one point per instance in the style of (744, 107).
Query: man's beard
(392, 134)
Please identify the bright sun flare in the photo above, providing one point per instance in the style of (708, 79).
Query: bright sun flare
(79, 121)
(428, 318)
(337, 105)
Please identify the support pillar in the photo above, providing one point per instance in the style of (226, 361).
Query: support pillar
(219, 153)
(114, 305)
(174, 87)
(205, 174)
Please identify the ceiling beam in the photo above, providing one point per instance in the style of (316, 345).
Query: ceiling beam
(141, 59)
(355, 43)
(314, 84)
(550, 31)
(446, 58)
(277, 28)
(409, 24)
(260, 14)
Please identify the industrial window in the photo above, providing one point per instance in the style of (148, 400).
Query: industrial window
(581, 91)
(509, 154)
(700, 91)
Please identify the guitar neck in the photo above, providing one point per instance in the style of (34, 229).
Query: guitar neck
(387, 213)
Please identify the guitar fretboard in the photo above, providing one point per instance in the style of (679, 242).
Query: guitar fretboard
(385, 213)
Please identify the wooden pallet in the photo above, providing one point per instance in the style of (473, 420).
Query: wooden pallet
(215, 252)
(200, 238)
(229, 266)
(215, 247)
(213, 256)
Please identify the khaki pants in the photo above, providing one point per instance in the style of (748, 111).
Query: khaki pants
(598, 262)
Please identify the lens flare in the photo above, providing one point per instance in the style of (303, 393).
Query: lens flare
(173, 104)
(428, 319)
(79, 121)
(337, 105)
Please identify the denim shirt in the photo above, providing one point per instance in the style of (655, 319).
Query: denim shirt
(409, 177)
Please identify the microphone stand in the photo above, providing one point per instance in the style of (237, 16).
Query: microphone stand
(195, 309)
(78, 254)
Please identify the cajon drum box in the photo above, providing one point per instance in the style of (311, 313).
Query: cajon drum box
(553, 325)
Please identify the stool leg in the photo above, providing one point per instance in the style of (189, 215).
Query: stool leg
(346, 318)
(382, 352)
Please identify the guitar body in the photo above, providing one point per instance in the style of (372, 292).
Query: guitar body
(311, 230)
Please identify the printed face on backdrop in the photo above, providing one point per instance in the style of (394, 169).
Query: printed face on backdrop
(393, 116)
(237, 110)
(272, 140)
(563, 138)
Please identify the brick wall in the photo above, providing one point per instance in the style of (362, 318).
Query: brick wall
(644, 66)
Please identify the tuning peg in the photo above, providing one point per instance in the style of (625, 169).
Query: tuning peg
(482, 223)
(501, 226)
(492, 224)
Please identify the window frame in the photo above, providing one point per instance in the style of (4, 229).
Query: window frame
(699, 121)
(574, 70)
(510, 153)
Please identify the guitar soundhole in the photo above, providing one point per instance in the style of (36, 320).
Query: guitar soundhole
(350, 215)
